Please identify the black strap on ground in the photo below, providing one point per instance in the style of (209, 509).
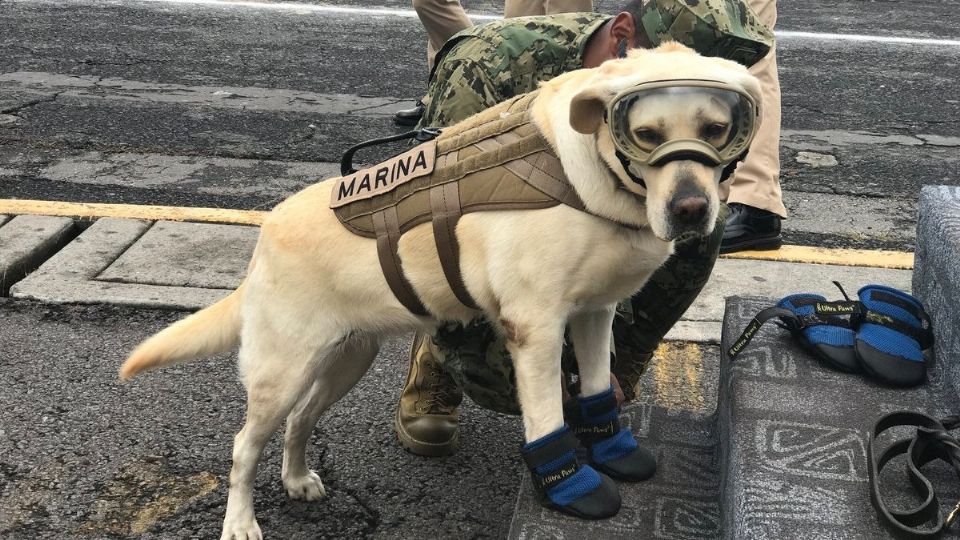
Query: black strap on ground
(842, 313)
(754, 326)
(420, 135)
(932, 441)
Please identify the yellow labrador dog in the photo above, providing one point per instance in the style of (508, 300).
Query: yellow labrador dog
(639, 148)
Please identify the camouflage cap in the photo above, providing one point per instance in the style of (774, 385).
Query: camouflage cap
(726, 28)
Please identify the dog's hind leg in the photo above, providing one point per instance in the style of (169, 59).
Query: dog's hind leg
(276, 371)
(338, 373)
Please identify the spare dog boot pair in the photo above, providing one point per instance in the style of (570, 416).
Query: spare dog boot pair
(894, 331)
(883, 334)
(563, 484)
(612, 449)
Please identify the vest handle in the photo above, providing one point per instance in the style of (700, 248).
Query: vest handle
(420, 135)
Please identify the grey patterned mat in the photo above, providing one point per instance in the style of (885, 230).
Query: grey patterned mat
(781, 455)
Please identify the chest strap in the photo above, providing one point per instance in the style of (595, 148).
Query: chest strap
(446, 209)
(387, 226)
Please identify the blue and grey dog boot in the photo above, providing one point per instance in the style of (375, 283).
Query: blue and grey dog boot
(612, 449)
(563, 484)
(894, 331)
(822, 327)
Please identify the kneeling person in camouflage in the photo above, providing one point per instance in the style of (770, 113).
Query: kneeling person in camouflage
(487, 64)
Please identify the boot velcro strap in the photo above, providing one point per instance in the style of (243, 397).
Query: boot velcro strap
(754, 326)
(546, 481)
(592, 433)
(564, 446)
(601, 407)
(923, 336)
(551, 451)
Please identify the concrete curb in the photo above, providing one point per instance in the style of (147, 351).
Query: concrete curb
(27, 241)
(119, 261)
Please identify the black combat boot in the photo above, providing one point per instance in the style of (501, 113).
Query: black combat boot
(750, 228)
(409, 117)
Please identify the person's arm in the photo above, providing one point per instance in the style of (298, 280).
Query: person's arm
(460, 88)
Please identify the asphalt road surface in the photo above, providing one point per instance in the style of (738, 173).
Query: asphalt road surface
(84, 456)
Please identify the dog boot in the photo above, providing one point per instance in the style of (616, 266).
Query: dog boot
(612, 449)
(893, 333)
(563, 484)
(822, 327)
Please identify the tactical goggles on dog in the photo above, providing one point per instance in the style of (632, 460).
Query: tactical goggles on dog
(727, 121)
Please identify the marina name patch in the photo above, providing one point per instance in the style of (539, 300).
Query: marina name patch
(386, 176)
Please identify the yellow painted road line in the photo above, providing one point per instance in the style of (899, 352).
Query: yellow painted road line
(131, 211)
(797, 254)
(678, 376)
(839, 256)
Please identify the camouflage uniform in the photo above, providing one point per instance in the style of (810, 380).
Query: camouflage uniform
(490, 63)
(668, 20)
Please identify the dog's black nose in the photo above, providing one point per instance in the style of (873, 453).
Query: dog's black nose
(689, 209)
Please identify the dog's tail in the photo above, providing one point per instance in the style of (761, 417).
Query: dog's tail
(207, 332)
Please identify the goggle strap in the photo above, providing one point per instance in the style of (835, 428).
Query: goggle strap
(625, 163)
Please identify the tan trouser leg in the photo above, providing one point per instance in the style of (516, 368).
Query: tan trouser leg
(441, 19)
(526, 8)
(757, 180)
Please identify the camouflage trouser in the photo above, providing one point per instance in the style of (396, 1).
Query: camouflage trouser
(476, 357)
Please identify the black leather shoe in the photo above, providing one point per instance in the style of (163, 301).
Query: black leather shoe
(409, 117)
(750, 228)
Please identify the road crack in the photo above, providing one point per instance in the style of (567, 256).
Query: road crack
(15, 110)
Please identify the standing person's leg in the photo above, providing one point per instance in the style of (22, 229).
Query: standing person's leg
(428, 419)
(527, 8)
(551, 7)
(441, 19)
(754, 196)
(523, 8)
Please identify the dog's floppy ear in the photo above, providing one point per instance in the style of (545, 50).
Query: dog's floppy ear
(587, 107)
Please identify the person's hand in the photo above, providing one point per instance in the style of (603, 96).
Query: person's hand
(617, 391)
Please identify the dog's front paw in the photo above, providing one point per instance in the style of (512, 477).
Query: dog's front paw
(245, 529)
(307, 487)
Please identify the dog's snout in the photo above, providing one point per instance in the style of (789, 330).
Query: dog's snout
(689, 209)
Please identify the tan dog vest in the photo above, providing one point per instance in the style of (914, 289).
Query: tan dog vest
(498, 161)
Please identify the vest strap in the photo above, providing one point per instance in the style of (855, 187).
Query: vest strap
(544, 172)
(386, 225)
(446, 210)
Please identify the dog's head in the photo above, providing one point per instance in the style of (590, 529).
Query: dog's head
(668, 123)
